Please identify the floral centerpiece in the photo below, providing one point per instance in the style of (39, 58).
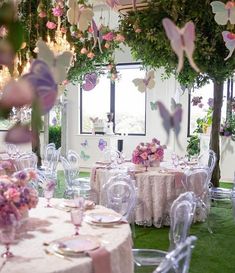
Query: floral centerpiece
(16, 197)
(148, 153)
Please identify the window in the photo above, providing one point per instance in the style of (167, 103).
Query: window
(121, 98)
(196, 112)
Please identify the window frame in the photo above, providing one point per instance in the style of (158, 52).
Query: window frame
(112, 103)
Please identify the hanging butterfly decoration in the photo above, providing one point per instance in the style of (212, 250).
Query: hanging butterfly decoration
(153, 105)
(84, 156)
(90, 81)
(174, 104)
(84, 144)
(41, 80)
(147, 83)
(102, 144)
(229, 39)
(182, 40)
(223, 12)
(171, 121)
(93, 120)
(58, 64)
(97, 36)
(79, 15)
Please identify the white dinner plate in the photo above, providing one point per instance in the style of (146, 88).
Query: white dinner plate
(103, 218)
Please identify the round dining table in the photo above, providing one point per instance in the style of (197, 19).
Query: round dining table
(45, 225)
(157, 188)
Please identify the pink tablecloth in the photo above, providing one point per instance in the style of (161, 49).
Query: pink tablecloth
(156, 191)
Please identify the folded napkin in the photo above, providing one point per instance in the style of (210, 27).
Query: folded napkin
(101, 260)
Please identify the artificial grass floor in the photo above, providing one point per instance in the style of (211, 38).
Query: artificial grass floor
(213, 253)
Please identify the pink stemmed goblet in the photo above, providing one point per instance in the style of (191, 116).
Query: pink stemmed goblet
(7, 236)
(76, 218)
(49, 191)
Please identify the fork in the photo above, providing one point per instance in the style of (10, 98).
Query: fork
(48, 252)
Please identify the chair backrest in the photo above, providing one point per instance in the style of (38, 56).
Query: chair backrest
(178, 260)
(112, 156)
(67, 171)
(181, 217)
(120, 195)
(12, 150)
(51, 157)
(196, 180)
(26, 161)
(74, 160)
(208, 159)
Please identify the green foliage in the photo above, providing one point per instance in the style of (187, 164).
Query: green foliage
(55, 135)
(145, 35)
(193, 147)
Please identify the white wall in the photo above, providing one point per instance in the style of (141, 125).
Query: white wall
(163, 91)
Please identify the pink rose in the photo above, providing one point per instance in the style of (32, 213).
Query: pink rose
(107, 45)
(138, 30)
(108, 36)
(42, 14)
(144, 155)
(57, 11)
(90, 55)
(83, 50)
(12, 195)
(50, 25)
(120, 38)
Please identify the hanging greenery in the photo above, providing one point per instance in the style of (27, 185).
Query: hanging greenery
(146, 36)
(93, 47)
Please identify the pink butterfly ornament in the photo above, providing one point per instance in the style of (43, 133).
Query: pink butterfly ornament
(147, 83)
(229, 39)
(182, 40)
(90, 81)
(171, 121)
(223, 12)
(43, 84)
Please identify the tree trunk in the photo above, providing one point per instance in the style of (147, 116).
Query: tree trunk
(36, 139)
(215, 136)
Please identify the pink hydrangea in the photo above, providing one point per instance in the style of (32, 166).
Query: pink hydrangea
(120, 38)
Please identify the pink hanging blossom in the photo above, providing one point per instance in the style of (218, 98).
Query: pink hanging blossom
(50, 25)
(90, 55)
(108, 36)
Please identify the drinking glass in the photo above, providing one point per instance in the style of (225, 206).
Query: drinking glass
(48, 194)
(7, 236)
(76, 218)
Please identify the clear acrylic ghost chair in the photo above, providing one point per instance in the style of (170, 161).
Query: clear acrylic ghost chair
(178, 260)
(233, 202)
(208, 159)
(12, 150)
(196, 180)
(74, 160)
(181, 216)
(126, 178)
(112, 156)
(26, 161)
(74, 184)
(121, 197)
(50, 158)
